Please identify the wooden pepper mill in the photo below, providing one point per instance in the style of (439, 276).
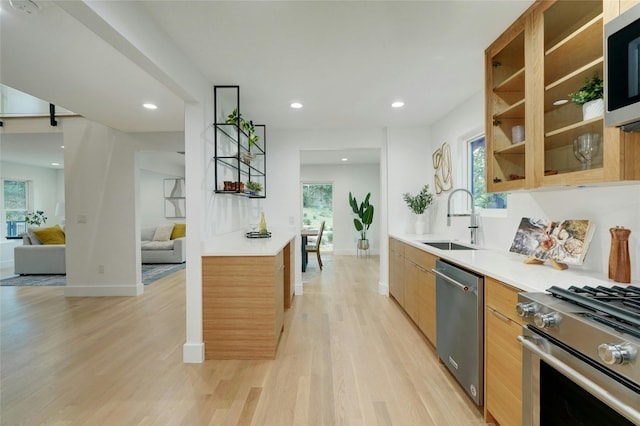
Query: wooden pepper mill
(619, 261)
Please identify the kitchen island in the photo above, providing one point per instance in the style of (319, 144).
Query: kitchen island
(246, 285)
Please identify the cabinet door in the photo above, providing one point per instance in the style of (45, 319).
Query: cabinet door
(503, 354)
(573, 53)
(396, 276)
(427, 304)
(503, 368)
(505, 72)
(411, 277)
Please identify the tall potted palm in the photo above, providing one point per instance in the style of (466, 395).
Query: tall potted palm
(364, 211)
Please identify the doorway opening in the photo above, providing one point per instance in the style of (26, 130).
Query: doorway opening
(317, 206)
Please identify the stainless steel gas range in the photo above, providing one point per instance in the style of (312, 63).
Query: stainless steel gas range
(581, 349)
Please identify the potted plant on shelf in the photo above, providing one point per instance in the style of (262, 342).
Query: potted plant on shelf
(418, 204)
(590, 97)
(364, 211)
(248, 128)
(254, 187)
(36, 218)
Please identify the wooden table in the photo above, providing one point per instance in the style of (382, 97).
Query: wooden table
(305, 234)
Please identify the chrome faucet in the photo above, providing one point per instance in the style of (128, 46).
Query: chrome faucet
(473, 226)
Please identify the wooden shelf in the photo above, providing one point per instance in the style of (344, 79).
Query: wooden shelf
(570, 83)
(565, 135)
(515, 111)
(511, 90)
(583, 46)
(515, 149)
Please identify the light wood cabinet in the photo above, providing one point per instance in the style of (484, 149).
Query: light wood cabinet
(396, 270)
(243, 301)
(413, 285)
(545, 55)
(503, 355)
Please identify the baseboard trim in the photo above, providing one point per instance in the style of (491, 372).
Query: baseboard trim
(383, 288)
(299, 291)
(193, 353)
(103, 290)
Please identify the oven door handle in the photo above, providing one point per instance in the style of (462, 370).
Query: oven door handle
(625, 410)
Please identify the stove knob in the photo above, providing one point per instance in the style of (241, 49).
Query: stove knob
(546, 320)
(613, 354)
(526, 309)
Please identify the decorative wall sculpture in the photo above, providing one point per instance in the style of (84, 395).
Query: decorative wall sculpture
(174, 198)
(442, 166)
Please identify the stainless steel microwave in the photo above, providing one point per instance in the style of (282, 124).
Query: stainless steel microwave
(622, 71)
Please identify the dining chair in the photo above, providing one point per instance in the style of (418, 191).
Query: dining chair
(315, 247)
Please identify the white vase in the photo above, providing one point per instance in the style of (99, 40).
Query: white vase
(419, 224)
(593, 109)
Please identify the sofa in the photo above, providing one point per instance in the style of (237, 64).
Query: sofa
(164, 243)
(47, 254)
(43, 253)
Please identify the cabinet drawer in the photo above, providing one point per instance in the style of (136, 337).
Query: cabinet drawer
(419, 257)
(502, 298)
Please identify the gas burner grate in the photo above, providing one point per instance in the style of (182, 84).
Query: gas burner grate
(619, 303)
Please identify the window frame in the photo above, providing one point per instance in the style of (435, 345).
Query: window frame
(468, 140)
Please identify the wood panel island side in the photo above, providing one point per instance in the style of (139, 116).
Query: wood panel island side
(246, 286)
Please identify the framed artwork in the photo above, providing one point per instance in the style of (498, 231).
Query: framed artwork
(174, 198)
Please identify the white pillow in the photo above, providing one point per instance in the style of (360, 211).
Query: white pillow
(163, 232)
(35, 241)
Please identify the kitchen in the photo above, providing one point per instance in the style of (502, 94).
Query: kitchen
(407, 149)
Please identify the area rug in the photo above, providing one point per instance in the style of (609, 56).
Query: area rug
(150, 274)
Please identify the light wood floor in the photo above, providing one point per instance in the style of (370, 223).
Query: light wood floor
(348, 356)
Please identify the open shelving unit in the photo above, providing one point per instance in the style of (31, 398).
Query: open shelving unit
(531, 69)
(232, 169)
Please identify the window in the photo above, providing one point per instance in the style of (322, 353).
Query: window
(317, 206)
(16, 205)
(477, 176)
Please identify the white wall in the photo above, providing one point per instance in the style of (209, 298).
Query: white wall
(155, 167)
(359, 179)
(47, 186)
(606, 206)
(282, 205)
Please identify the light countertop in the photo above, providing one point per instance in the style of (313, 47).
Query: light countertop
(237, 244)
(510, 267)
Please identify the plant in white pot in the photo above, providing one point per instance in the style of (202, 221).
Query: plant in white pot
(418, 204)
(590, 96)
(364, 211)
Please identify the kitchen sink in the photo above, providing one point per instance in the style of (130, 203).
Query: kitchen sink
(447, 245)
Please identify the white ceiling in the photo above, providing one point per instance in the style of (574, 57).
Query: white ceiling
(346, 61)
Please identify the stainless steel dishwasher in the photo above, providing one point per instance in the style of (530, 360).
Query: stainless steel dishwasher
(459, 325)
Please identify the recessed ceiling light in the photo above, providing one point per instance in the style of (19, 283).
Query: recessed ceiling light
(345, 159)
(55, 164)
(62, 146)
(150, 106)
(296, 105)
(560, 102)
(397, 104)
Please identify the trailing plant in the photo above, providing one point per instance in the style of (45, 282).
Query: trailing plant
(36, 218)
(419, 203)
(364, 211)
(247, 126)
(593, 89)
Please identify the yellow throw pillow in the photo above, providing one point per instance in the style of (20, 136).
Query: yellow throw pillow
(179, 231)
(51, 235)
